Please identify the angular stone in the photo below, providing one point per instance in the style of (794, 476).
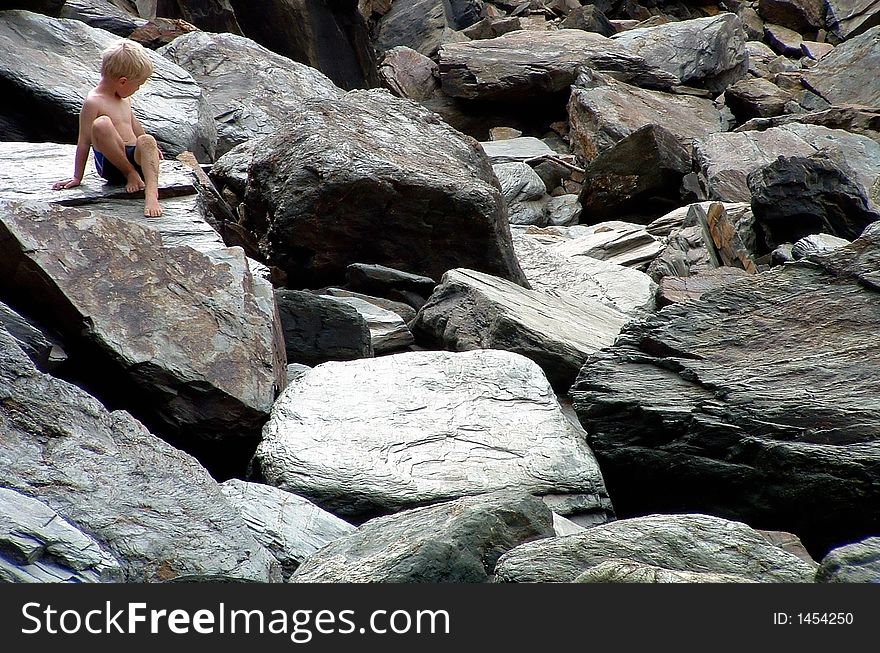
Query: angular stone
(854, 563)
(782, 40)
(798, 15)
(471, 310)
(208, 15)
(815, 50)
(388, 331)
(525, 193)
(421, 427)
(675, 290)
(409, 74)
(761, 58)
(384, 281)
(858, 120)
(816, 244)
(756, 98)
(848, 74)
(102, 14)
(492, 27)
(846, 19)
(589, 18)
(513, 150)
(44, 349)
(405, 311)
(622, 243)
(424, 25)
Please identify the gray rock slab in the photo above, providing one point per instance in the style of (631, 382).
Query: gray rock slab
(847, 75)
(170, 106)
(405, 311)
(251, 90)
(683, 543)
(42, 347)
(525, 193)
(150, 506)
(388, 331)
(853, 563)
(421, 427)
(472, 310)
(622, 243)
(510, 150)
(457, 541)
(290, 527)
(409, 74)
(102, 14)
(816, 244)
(846, 19)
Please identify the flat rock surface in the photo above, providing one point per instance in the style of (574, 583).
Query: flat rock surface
(848, 74)
(388, 331)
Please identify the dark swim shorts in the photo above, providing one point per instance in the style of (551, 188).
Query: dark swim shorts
(110, 172)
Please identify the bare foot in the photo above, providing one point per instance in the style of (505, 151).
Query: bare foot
(134, 183)
(152, 209)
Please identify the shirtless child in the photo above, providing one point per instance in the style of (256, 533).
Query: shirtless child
(123, 152)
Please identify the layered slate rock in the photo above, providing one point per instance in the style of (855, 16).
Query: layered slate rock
(102, 14)
(589, 18)
(515, 150)
(388, 332)
(524, 63)
(453, 542)
(623, 243)
(424, 25)
(603, 111)
(725, 432)
(42, 347)
(209, 15)
(188, 341)
(290, 527)
(525, 193)
(409, 74)
(422, 427)
(39, 107)
(799, 15)
(678, 543)
(854, 563)
(846, 75)
(106, 476)
(39, 546)
(846, 19)
(472, 310)
(375, 179)
(706, 52)
(616, 570)
(251, 90)
(756, 98)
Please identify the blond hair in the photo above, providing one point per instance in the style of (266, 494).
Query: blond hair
(126, 58)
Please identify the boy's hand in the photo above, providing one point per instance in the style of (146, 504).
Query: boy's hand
(66, 183)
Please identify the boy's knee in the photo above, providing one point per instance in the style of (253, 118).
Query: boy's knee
(146, 141)
(102, 124)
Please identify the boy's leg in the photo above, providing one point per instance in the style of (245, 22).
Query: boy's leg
(146, 155)
(108, 142)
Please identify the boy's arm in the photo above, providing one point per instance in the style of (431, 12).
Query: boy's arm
(87, 116)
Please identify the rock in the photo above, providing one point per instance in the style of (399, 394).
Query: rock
(406, 73)
(421, 427)
(431, 190)
(171, 106)
(295, 371)
(188, 341)
(230, 171)
(638, 179)
(761, 58)
(564, 210)
(424, 25)
(513, 150)
(524, 192)
(457, 541)
(102, 14)
(676, 290)
(160, 32)
(846, 75)
(40, 546)
(623, 289)
(290, 527)
(858, 120)
(589, 18)
(815, 50)
(492, 27)
(388, 331)
(678, 543)
(251, 90)
(471, 310)
(525, 64)
(385, 281)
(146, 504)
(43, 348)
(617, 570)
(317, 330)
(816, 244)
(788, 542)
(854, 563)
(731, 434)
(208, 15)
(405, 311)
(797, 196)
(847, 19)
(725, 160)
(782, 40)
(705, 52)
(329, 36)
(756, 98)
(798, 15)
(603, 111)
(616, 242)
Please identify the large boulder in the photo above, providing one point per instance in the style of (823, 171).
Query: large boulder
(682, 543)
(847, 19)
(853, 563)
(799, 15)
(421, 427)
(251, 90)
(102, 14)
(424, 25)
(705, 52)
(376, 179)
(524, 63)
(330, 35)
(209, 15)
(472, 310)
(848, 74)
(728, 433)
(623, 243)
(189, 341)
(454, 542)
(146, 504)
(38, 107)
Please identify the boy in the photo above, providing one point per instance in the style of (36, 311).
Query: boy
(123, 152)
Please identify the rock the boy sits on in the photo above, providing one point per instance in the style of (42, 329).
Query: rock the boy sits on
(124, 153)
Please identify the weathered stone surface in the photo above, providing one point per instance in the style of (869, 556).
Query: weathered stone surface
(675, 290)
(424, 25)
(457, 541)
(622, 243)
(512, 150)
(682, 543)
(170, 106)
(616, 570)
(858, 120)
(797, 196)
(150, 506)
(526, 63)
(102, 14)
(846, 19)
(524, 192)
(853, 563)
(39, 546)
(430, 189)
(727, 159)
(209, 15)
(589, 18)
(603, 111)
(330, 36)
(847, 75)
(624, 289)
(798, 15)
(251, 91)
(638, 179)
(471, 310)
(317, 330)
(43, 348)
(761, 58)
(815, 50)
(188, 341)
(290, 527)
(385, 281)
(492, 27)
(161, 31)
(405, 311)
(816, 244)
(725, 432)
(388, 331)
(409, 74)
(782, 40)
(420, 427)
(706, 52)
(756, 98)
(563, 210)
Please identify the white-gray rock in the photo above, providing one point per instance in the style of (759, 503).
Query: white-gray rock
(525, 193)
(519, 149)
(617, 242)
(388, 331)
